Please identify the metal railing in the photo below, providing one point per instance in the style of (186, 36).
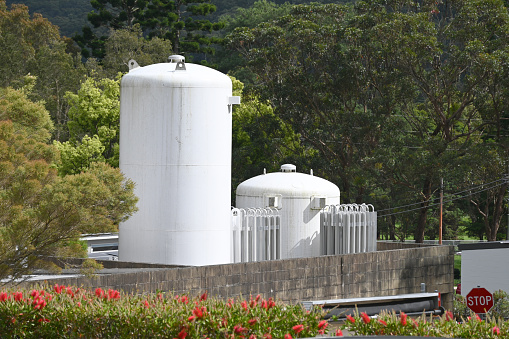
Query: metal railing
(255, 234)
(349, 228)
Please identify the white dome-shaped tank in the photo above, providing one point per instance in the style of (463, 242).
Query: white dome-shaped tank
(299, 197)
(175, 144)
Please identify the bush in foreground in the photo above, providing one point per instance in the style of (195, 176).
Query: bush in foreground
(445, 326)
(70, 312)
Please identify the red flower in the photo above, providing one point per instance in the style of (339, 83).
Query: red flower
(58, 288)
(264, 304)
(496, 330)
(323, 324)
(252, 321)
(258, 297)
(298, 328)
(18, 296)
(147, 305)
(113, 294)
(415, 323)
(339, 333)
(365, 318)
(239, 329)
(198, 312)
(402, 319)
(271, 303)
(244, 305)
(449, 316)
(267, 336)
(39, 303)
(182, 334)
(203, 296)
(288, 336)
(4, 296)
(99, 292)
(350, 319)
(191, 318)
(382, 322)
(184, 299)
(34, 293)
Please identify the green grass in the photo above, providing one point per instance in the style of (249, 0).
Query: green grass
(457, 265)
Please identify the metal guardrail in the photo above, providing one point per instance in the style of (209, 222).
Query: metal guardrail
(415, 303)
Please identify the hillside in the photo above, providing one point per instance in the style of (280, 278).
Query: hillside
(69, 15)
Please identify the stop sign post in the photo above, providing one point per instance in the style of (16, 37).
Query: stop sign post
(479, 300)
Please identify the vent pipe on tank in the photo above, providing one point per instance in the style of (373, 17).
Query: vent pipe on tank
(179, 60)
(288, 168)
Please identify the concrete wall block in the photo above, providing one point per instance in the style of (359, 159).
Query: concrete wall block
(359, 278)
(284, 274)
(310, 282)
(296, 273)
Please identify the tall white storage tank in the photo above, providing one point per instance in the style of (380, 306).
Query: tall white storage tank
(175, 144)
(299, 197)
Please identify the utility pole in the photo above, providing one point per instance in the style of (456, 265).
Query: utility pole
(441, 210)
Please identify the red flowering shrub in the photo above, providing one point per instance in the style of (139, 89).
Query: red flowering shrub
(444, 326)
(73, 313)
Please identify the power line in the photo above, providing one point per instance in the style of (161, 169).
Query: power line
(496, 183)
(467, 190)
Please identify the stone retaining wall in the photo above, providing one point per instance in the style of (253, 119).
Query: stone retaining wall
(380, 273)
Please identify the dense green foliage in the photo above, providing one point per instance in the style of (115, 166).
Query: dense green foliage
(42, 213)
(182, 22)
(393, 95)
(69, 16)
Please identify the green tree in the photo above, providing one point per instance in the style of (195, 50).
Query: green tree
(261, 140)
(107, 14)
(94, 112)
(181, 22)
(41, 212)
(32, 45)
(126, 44)
(316, 88)
(443, 54)
(261, 11)
(341, 77)
(22, 37)
(69, 16)
(25, 115)
(77, 157)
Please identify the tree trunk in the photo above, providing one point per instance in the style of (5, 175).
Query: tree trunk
(486, 216)
(492, 230)
(423, 212)
(392, 227)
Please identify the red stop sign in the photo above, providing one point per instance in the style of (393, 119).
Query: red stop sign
(479, 300)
